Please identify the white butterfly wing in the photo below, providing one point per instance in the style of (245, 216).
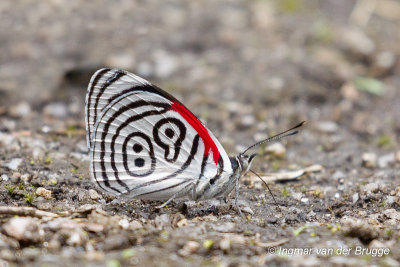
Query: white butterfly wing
(104, 86)
(144, 143)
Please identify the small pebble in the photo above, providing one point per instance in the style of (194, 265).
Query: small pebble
(134, 225)
(338, 175)
(227, 227)
(162, 221)
(304, 200)
(238, 239)
(24, 229)
(43, 192)
(182, 223)
(93, 194)
(189, 248)
(118, 241)
(385, 60)
(225, 244)
(9, 141)
(57, 110)
(356, 41)
(15, 177)
(369, 160)
(356, 197)
(7, 255)
(248, 210)
(4, 177)
(94, 227)
(327, 126)
(248, 120)
(390, 200)
(14, 164)
(38, 153)
(386, 160)
(297, 195)
(392, 214)
(94, 256)
(25, 177)
(370, 188)
(276, 149)
(124, 223)
(20, 110)
(192, 246)
(76, 238)
(397, 156)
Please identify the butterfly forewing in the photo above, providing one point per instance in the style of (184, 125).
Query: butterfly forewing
(145, 143)
(105, 86)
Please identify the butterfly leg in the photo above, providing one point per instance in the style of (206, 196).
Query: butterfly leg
(169, 200)
(194, 193)
(237, 197)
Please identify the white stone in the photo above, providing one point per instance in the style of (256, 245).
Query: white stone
(297, 195)
(369, 160)
(304, 200)
(124, 223)
(5, 177)
(14, 164)
(276, 149)
(386, 160)
(9, 141)
(41, 191)
(225, 244)
(356, 197)
(327, 126)
(58, 110)
(22, 109)
(93, 194)
(370, 188)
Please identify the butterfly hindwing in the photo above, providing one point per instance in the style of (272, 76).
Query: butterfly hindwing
(143, 142)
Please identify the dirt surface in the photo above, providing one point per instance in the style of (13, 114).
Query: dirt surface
(248, 69)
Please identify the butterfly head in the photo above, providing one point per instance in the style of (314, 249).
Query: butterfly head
(244, 162)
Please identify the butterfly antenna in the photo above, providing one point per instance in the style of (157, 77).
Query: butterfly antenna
(277, 137)
(276, 203)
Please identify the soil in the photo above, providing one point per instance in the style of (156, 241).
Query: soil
(248, 69)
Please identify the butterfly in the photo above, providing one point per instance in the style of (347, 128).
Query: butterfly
(145, 144)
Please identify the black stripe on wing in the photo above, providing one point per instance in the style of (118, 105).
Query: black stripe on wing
(193, 152)
(107, 124)
(135, 84)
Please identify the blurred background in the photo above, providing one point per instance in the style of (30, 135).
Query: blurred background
(260, 62)
(248, 69)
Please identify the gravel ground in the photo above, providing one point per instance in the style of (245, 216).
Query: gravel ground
(248, 69)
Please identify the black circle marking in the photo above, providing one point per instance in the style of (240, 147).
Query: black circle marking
(137, 148)
(177, 145)
(169, 132)
(139, 162)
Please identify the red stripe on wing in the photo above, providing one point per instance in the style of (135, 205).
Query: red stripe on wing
(199, 127)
